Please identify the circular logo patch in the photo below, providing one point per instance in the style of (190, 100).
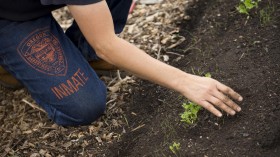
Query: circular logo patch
(43, 52)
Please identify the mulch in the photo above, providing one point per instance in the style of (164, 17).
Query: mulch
(26, 130)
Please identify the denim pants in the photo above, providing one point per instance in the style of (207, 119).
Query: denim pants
(54, 67)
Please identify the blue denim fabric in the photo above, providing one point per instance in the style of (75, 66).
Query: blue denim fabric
(55, 69)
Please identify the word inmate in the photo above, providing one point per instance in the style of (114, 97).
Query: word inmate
(71, 85)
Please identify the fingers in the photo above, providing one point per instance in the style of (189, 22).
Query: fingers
(211, 108)
(227, 101)
(219, 98)
(217, 102)
(228, 91)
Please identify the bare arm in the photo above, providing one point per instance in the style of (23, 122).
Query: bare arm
(96, 23)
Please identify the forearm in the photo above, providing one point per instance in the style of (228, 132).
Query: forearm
(128, 57)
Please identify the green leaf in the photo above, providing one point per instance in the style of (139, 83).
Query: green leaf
(175, 147)
(208, 75)
(242, 9)
(190, 114)
(249, 4)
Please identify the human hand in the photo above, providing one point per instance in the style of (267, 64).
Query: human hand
(210, 94)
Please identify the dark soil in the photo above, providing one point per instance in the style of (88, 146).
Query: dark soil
(244, 56)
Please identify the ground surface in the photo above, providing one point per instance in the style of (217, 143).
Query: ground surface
(143, 120)
(245, 57)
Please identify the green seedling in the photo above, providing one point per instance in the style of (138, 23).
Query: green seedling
(208, 75)
(245, 6)
(175, 147)
(190, 114)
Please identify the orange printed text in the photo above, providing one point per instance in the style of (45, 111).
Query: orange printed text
(70, 86)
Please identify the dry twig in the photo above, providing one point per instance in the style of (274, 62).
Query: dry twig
(33, 106)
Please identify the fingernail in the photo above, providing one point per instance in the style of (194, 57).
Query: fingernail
(220, 115)
(238, 109)
(240, 99)
(232, 113)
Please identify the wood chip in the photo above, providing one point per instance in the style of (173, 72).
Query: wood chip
(139, 127)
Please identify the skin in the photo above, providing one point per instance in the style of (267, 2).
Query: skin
(95, 21)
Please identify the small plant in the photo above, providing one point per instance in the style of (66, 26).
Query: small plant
(190, 114)
(208, 75)
(175, 147)
(246, 5)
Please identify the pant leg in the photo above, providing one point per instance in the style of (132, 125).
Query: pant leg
(119, 10)
(58, 77)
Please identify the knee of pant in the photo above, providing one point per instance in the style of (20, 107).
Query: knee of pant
(91, 110)
(85, 109)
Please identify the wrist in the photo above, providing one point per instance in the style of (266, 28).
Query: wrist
(182, 82)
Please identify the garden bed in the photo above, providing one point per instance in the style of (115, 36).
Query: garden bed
(143, 119)
(241, 53)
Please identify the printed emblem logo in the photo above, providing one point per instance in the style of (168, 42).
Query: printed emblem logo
(43, 52)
